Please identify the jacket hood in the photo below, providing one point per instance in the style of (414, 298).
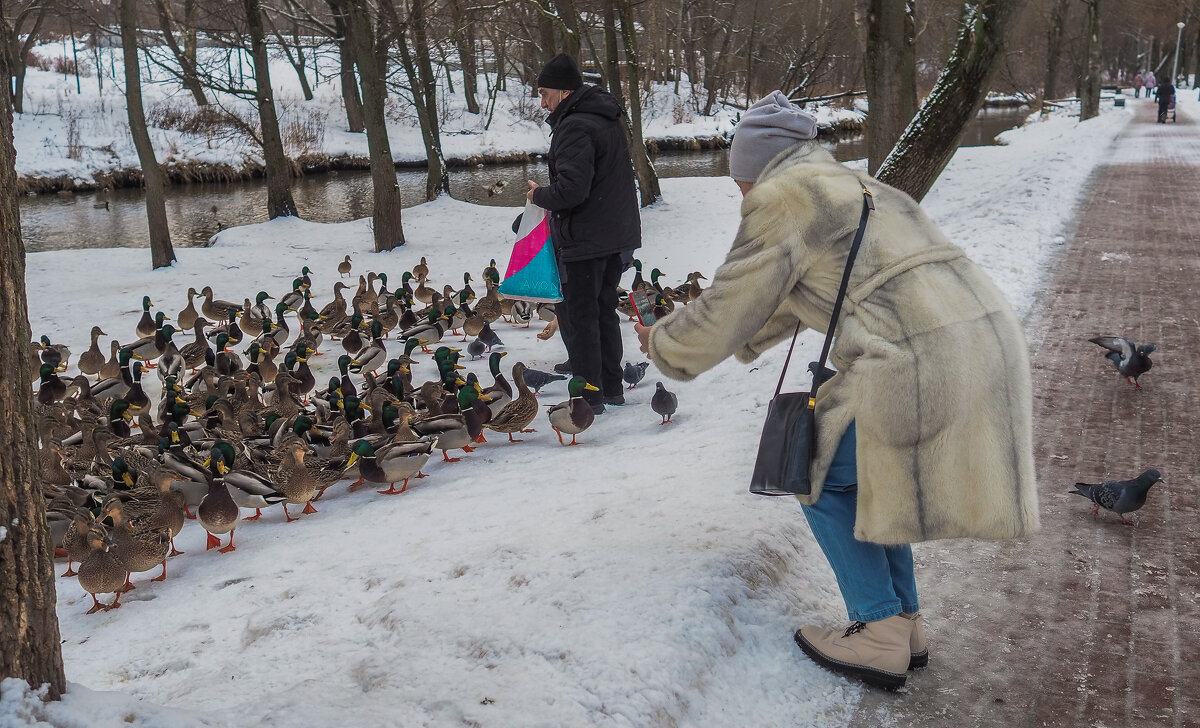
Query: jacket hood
(587, 100)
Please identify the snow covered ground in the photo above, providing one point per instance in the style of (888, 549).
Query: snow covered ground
(631, 581)
(80, 130)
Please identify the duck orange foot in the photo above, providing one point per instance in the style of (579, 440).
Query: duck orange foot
(257, 515)
(213, 542)
(392, 489)
(446, 457)
(468, 448)
(308, 508)
(353, 486)
(230, 547)
(559, 433)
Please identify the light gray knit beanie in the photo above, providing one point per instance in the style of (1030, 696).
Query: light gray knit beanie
(769, 126)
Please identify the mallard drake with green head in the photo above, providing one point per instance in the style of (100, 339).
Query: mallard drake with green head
(146, 324)
(390, 463)
(575, 414)
(374, 354)
(429, 332)
(519, 413)
(52, 388)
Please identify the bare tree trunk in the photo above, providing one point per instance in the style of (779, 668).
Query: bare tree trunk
(162, 254)
(185, 56)
(463, 34)
(424, 88)
(350, 98)
(279, 167)
(646, 175)
(29, 640)
(296, 59)
(371, 57)
(1054, 38)
(890, 64)
(19, 49)
(932, 138)
(1089, 89)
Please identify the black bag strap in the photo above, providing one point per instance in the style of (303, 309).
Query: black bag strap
(819, 367)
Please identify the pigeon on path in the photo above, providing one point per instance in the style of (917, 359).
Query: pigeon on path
(664, 403)
(535, 379)
(633, 373)
(1131, 360)
(1119, 496)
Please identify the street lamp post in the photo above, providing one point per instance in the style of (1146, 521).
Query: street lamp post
(1178, 41)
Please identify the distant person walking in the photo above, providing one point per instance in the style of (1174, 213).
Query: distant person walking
(1166, 100)
(1138, 81)
(1151, 82)
(595, 222)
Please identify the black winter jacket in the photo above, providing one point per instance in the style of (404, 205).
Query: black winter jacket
(591, 196)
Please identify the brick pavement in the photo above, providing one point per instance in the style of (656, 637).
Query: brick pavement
(1090, 623)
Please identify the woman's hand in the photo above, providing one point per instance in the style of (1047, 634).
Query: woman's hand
(532, 186)
(643, 334)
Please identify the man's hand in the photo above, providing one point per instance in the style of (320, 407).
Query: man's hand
(643, 334)
(532, 186)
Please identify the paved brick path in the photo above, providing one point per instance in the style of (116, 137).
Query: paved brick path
(1090, 623)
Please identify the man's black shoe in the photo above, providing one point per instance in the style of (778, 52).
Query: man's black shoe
(563, 367)
(617, 400)
(598, 409)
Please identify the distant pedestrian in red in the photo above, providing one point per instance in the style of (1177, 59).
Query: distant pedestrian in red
(1138, 81)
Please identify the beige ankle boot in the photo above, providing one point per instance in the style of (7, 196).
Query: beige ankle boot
(917, 645)
(875, 652)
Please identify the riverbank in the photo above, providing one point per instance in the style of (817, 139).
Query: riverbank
(73, 134)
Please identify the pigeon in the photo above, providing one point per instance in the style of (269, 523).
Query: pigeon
(488, 337)
(664, 403)
(476, 348)
(1131, 360)
(1119, 496)
(633, 373)
(535, 379)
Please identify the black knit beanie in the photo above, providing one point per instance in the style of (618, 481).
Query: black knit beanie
(560, 73)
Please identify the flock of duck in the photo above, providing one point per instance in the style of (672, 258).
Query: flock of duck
(122, 473)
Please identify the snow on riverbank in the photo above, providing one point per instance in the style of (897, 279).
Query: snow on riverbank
(631, 581)
(76, 136)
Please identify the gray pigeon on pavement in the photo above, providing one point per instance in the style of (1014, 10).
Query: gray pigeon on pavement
(1119, 496)
(633, 373)
(664, 403)
(1131, 360)
(535, 379)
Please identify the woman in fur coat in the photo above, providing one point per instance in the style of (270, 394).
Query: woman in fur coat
(925, 432)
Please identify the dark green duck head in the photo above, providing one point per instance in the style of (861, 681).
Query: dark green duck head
(494, 362)
(578, 385)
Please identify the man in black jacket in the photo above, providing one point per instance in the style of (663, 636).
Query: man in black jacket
(594, 221)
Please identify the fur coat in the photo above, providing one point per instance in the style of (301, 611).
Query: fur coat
(932, 363)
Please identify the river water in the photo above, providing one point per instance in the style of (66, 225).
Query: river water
(197, 211)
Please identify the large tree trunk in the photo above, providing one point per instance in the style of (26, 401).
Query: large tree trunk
(29, 638)
(1054, 38)
(185, 56)
(162, 254)
(463, 34)
(350, 98)
(279, 167)
(890, 65)
(647, 177)
(371, 58)
(424, 89)
(932, 138)
(1089, 88)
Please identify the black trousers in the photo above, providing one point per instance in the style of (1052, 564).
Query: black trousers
(589, 324)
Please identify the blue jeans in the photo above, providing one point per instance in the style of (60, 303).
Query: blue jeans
(876, 581)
